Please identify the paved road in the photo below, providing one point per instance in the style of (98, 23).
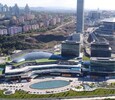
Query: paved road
(57, 28)
(93, 98)
(63, 25)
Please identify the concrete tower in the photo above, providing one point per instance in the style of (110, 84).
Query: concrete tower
(80, 16)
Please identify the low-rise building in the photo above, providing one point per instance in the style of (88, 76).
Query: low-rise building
(41, 70)
(21, 19)
(58, 20)
(53, 21)
(41, 24)
(29, 16)
(38, 69)
(27, 28)
(15, 29)
(3, 32)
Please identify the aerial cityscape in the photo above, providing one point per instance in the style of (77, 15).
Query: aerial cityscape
(57, 53)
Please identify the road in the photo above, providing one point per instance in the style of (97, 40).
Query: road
(63, 25)
(57, 28)
(92, 98)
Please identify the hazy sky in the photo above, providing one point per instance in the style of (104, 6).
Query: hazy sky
(89, 4)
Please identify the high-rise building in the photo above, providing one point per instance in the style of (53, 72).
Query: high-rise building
(16, 10)
(70, 49)
(5, 8)
(100, 49)
(80, 16)
(27, 9)
(1, 7)
(94, 15)
(72, 46)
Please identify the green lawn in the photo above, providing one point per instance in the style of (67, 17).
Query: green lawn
(24, 95)
(20, 63)
(57, 53)
(112, 85)
(38, 61)
(1, 72)
(2, 65)
(45, 60)
(8, 59)
(86, 58)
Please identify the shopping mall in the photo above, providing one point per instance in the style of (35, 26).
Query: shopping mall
(29, 69)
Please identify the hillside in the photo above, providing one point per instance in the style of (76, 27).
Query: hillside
(35, 40)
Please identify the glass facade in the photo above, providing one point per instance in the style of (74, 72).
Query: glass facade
(102, 66)
(70, 49)
(34, 56)
(49, 69)
(100, 50)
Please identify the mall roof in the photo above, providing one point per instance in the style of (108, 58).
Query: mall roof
(10, 70)
(110, 20)
(33, 56)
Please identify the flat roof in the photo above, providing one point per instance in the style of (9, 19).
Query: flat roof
(109, 20)
(70, 42)
(102, 58)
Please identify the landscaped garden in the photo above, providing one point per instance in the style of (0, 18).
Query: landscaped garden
(45, 60)
(79, 87)
(85, 58)
(25, 95)
(111, 85)
(34, 61)
(2, 65)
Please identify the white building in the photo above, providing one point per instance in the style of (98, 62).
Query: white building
(3, 31)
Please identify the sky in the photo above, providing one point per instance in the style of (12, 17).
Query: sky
(89, 4)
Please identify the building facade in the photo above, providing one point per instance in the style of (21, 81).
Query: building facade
(70, 49)
(107, 26)
(102, 66)
(99, 49)
(3, 32)
(80, 16)
(42, 70)
(15, 30)
(94, 15)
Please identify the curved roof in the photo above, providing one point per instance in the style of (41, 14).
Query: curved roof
(33, 56)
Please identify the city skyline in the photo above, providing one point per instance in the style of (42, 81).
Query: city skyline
(94, 4)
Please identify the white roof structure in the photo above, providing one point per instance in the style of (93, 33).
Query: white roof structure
(110, 20)
(10, 70)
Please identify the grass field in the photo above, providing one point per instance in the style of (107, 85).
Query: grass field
(86, 58)
(24, 95)
(2, 65)
(44, 60)
(37, 61)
